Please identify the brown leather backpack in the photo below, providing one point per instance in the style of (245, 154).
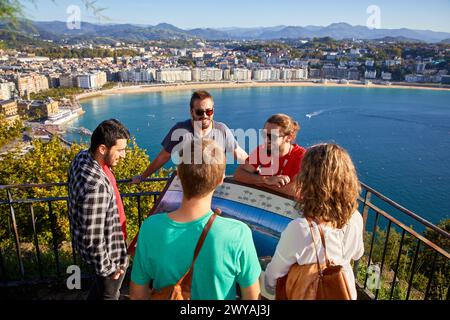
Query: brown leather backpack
(182, 289)
(314, 281)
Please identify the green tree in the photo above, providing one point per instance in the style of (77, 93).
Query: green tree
(12, 10)
(9, 131)
(56, 93)
(441, 276)
(49, 163)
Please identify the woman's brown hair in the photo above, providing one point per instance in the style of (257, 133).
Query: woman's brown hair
(328, 186)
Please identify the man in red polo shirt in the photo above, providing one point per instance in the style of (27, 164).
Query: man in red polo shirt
(276, 163)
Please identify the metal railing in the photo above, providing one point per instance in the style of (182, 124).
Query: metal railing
(12, 233)
(424, 257)
(418, 247)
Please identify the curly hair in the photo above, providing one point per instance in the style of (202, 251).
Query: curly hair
(328, 186)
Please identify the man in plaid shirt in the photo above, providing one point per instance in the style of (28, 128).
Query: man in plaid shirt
(97, 217)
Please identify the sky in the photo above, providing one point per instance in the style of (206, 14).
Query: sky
(413, 14)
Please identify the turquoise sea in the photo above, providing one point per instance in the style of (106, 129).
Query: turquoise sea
(399, 139)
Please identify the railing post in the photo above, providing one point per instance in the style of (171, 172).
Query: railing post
(397, 264)
(54, 238)
(383, 257)
(139, 211)
(430, 280)
(411, 278)
(365, 212)
(74, 256)
(16, 235)
(36, 242)
(371, 248)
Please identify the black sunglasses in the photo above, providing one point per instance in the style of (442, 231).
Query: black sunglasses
(208, 112)
(273, 136)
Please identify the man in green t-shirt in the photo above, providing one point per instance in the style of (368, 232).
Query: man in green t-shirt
(166, 242)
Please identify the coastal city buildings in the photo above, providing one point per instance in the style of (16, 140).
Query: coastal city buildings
(32, 83)
(8, 108)
(342, 62)
(171, 75)
(7, 90)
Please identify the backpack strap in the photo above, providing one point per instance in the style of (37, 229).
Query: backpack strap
(322, 238)
(188, 274)
(311, 228)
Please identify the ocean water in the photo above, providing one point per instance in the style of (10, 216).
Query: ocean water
(399, 139)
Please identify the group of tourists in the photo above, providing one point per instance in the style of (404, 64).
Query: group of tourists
(193, 252)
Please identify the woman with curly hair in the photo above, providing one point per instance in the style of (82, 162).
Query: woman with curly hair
(327, 193)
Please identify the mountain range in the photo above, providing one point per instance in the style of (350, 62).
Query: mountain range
(57, 31)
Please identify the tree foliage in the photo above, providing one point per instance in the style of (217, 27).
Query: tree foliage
(56, 93)
(9, 132)
(55, 52)
(404, 253)
(49, 163)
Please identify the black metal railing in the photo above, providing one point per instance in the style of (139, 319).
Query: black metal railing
(423, 258)
(13, 273)
(408, 263)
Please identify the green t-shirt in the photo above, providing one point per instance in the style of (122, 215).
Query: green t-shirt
(165, 250)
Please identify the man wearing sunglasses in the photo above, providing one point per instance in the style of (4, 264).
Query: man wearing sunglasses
(201, 125)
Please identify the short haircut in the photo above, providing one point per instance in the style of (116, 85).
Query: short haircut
(198, 180)
(107, 133)
(200, 95)
(328, 186)
(288, 126)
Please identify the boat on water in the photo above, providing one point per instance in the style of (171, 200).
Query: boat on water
(63, 116)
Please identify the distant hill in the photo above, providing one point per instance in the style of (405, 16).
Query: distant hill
(58, 31)
(398, 39)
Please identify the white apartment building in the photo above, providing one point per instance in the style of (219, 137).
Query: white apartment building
(197, 54)
(370, 74)
(6, 90)
(241, 74)
(294, 74)
(207, 74)
(394, 62)
(68, 81)
(226, 74)
(31, 84)
(266, 74)
(138, 75)
(387, 76)
(94, 80)
(170, 75)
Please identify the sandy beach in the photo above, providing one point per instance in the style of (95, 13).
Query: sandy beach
(234, 85)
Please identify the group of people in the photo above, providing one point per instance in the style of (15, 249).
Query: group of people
(322, 180)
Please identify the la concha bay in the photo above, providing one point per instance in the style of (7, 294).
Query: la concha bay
(399, 139)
